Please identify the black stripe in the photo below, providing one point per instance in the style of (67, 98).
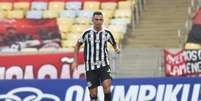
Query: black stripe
(111, 38)
(85, 54)
(100, 46)
(85, 33)
(94, 55)
(89, 62)
(104, 48)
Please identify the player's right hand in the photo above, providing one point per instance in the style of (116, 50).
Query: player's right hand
(117, 50)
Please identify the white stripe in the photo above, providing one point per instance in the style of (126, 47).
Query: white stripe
(102, 48)
(97, 48)
(92, 50)
(107, 60)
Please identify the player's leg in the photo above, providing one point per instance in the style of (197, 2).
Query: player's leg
(106, 89)
(93, 93)
(106, 82)
(93, 83)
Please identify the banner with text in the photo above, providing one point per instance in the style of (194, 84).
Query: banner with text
(136, 89)
(41, 66)
(183, 63)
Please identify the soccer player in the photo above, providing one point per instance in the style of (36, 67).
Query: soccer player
(96, 56)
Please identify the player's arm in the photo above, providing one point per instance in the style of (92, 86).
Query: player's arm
(113, 43)
(76, 54)
(76, 50)
(116, 48)
(80, 41)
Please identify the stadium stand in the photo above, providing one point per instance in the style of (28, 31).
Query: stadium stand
(161, 18)
(91, 5)
(21, 5)
(73, 5)
(9, 50)
(126, 4)
(39, 5)
(29, 50)
(49, 50)
(34, 14)
(57, 5)
(82, 21)
(68, 13)
(2, 14)
(108, 5)
(49, 14)
(73, 17)
(15, 14)
(6, 5)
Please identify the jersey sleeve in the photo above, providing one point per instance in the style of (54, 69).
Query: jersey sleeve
(111, 39)
(82, 37)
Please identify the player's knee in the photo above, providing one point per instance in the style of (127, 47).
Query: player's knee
(106, 88)
(93, 93)
(106, 84)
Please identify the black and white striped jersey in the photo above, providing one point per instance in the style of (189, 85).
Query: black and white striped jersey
(95, 47)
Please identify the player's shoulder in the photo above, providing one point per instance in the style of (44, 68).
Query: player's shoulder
(107, 30)
(87, 30)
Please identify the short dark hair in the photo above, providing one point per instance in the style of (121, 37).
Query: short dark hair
(97, 13)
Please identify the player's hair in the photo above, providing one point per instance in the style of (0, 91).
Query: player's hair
(97, 13)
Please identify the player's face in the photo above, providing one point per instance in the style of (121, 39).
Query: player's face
(97, 21)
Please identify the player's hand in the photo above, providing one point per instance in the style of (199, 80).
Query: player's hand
(117, 50)
(74, 65)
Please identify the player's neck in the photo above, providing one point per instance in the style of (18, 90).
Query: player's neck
(97, 28)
